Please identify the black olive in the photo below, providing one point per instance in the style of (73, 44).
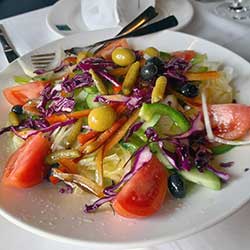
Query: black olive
(176, 186)
(18, 109)
(155, 60)
(189, 90)
(148, 71)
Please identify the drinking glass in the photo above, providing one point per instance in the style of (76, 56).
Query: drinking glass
(236, 9)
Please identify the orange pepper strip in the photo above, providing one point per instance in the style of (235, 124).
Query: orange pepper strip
(83, 138)
(121, 133)
(99, 165)
(69, 164)
(142, 62)
(54, 180)
(117, 89)
(70, 60)
(121, 71)
(121, 108)
(93, 146)
(56, 118)
(79, 114)
(64, 117)
(202, 76)
(89, 142)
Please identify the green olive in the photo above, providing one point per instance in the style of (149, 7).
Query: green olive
(152, 52)
(123, 56)
(101, 118)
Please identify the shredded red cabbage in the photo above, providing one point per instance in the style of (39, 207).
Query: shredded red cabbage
(52, 101)
(171, 157)
(132, 129)
(184, 158)
(227, 164)
(98, 203)
(40, 71)
(68, 189)
(48, 93)
(38, 123)
(202, 157)
(175, 68)
(58, 68)
(50, 128)
(108, 77)
(142, 156)
(152, 134)
(78, 81)
(222, 175)
(95, 64)
(197, 125)
(139, 96)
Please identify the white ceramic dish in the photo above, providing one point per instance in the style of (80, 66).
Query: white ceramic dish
(68, 13)
(44, 211)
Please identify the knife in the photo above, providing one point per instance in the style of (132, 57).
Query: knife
(8, 47)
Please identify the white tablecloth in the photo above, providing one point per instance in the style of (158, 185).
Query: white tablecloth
(29, 31)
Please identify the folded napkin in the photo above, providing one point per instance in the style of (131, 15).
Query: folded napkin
(102, 14)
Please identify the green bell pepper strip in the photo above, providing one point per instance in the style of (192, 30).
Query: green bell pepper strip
(221, 149)
(148, 111)
(133, 144)
(165, 56)
(22, 79)
(199, 59)
(141, 132)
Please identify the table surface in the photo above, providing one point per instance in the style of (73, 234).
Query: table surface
(233, 233)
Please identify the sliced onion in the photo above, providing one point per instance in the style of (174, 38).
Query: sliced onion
(208, 127)
(111, 98)
(235, 143)
(78, 179)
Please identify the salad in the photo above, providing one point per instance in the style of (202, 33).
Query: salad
(132, 127)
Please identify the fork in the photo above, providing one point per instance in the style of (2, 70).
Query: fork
(165, 23)
(43, 61)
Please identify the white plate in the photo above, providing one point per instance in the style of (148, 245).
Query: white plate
(44, 211)
(68, 13)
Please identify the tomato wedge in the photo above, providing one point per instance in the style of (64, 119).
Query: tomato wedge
(25, 167)
(107, 50)
(186, 55)
(144, 193)
(230, 121)
(19, 95)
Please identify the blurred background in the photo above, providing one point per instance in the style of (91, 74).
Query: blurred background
(10, 8)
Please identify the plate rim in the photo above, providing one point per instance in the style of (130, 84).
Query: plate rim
(122, 244)
(52, 27)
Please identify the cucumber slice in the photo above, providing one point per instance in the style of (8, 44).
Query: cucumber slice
(90, 101)
(206, 178)
(163, 160)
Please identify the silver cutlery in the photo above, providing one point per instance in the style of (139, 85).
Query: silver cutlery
(8, 48)
(43, 61)
(165, 23)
